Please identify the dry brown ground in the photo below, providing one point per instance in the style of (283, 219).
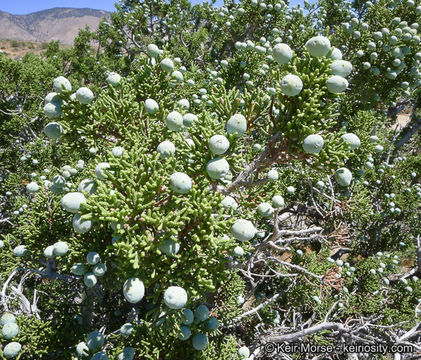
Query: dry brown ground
(403, 118)
(18, 48)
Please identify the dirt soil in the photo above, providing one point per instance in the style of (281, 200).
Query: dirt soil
(18, 48)
(403, 118)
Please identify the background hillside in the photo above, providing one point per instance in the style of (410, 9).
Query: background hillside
(53, 24)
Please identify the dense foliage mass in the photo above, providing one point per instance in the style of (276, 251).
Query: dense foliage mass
(197, 182)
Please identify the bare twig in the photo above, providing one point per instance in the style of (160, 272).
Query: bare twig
(25, 304)
(51, 275)
(332, 192)
(419, 253)
(3, 291)
(395, 135)
(319, 211)
(299, 334)
(296, 267)
(296, 233)
(263, 160)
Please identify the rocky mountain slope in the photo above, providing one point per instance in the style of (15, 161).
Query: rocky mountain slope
(53, 24)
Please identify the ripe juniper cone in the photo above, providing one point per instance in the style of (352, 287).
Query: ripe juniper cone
(32, 187)
(127, 329)
(49, 252)
(336, 84)
(212, 324)
(278, 201)
(53, 130)
(291, 85)
(177, 76)
(336, 54)
(99, 170)
(282, 54)
(313, 144)
(265, 209)
(7, 318)
(95, 340)
(61, 83)
(238, 251)
(341, 68)
(152, 50)
(72, 201)
(201, 313)
(101, 355)
(175, 297)
(79, 269)
(184, 104)
(10, 330)
(151, 106)
(166, 149)
(185, 333)
(243, 230)
(217, 168)
(52, 97)
(113, 78)
(352, 139)
(167, 65)
(200, 341)
(133, 290)
(229, 202)
(61, 248)
(273, 175)
(175, 121)
(291, 189)
(188, 317)
(180, 183)
(84, 95)
(343, 176)
(237, 124)
(53, 110)
(87, 186)
(189, 119)
(20, 251)
(93, 258)
(218, 144)
(59, 181)
(244, 352)
(318, 46)
(12, 349)
(127, 354)
(89, 279)
(117, 151)
(99, 269)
